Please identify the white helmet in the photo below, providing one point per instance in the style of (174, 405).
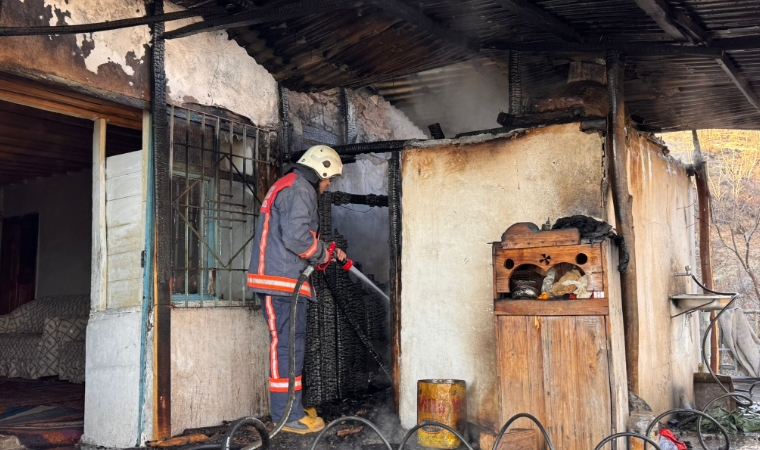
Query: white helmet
(324, 160)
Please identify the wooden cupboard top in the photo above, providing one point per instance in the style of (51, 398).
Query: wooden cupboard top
(582, 307)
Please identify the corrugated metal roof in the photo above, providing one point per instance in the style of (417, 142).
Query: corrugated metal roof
(364, 44)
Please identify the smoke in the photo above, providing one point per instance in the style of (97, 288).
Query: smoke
(464, 97)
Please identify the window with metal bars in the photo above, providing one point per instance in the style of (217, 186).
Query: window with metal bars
(221, 169)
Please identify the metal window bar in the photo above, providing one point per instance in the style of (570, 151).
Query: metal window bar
(218, 181)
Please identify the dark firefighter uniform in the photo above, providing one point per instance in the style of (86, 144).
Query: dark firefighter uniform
(285, 243)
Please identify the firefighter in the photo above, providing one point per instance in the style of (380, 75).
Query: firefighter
(286, 241)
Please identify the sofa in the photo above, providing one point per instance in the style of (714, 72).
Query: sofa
(45, 337)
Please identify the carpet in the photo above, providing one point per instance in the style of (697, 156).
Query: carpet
(42, 427)
(51, 392)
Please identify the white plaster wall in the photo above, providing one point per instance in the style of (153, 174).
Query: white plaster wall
(220, 366)
(64, 204)
(663, 206)
(210, 69)
(113, 378)
(456, 200)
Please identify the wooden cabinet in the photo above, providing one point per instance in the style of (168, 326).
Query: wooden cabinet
(561, 360)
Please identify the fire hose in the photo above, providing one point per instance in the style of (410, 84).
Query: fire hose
(263, 443)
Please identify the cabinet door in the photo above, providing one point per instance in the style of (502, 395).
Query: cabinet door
(557, 369)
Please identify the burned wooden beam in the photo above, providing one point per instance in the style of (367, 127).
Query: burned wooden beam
(370, 147)
(112, 24)
(591, 123)
(540, 18)
(262, 15)
(416, 17)
(162, 246)
(343, 198)
(623, 207)
(629, 48)
(564, 116)
(742, 43)
(515, 84)
(436, 132)
(677, 24)
(738, 80)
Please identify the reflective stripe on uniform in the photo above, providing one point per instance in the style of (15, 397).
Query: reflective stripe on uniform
(272, 324)
(263, 244)
(281, 384)
(311, 250)
(281, 284)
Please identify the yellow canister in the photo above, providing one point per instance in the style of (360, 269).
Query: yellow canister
(444, 401)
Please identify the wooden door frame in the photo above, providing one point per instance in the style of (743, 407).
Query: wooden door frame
(59, 98)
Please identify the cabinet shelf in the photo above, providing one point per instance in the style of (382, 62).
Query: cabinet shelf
(582, 307)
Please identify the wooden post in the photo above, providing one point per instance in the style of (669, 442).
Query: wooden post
(705, 249)
(623, 204)
(394, 215)
(99, 269)
(163, 234)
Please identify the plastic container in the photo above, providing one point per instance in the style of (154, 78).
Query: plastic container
(638, 422)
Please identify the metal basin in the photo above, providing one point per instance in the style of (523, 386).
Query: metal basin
(702, 302)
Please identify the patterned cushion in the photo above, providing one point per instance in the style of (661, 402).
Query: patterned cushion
(57, 330)
(71, 362)
(30, 336)
(30, 318)
(18, 354)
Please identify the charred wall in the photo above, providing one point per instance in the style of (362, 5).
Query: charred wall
(335, 118)
(112, 62)
(205, 69)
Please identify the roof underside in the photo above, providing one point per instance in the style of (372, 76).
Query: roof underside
(381, 43)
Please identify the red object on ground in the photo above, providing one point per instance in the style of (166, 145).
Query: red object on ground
(667, 434)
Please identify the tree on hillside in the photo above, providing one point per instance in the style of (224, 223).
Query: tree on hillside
(733, 158)
(735, 190)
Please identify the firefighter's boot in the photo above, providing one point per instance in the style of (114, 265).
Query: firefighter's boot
(305, 425)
